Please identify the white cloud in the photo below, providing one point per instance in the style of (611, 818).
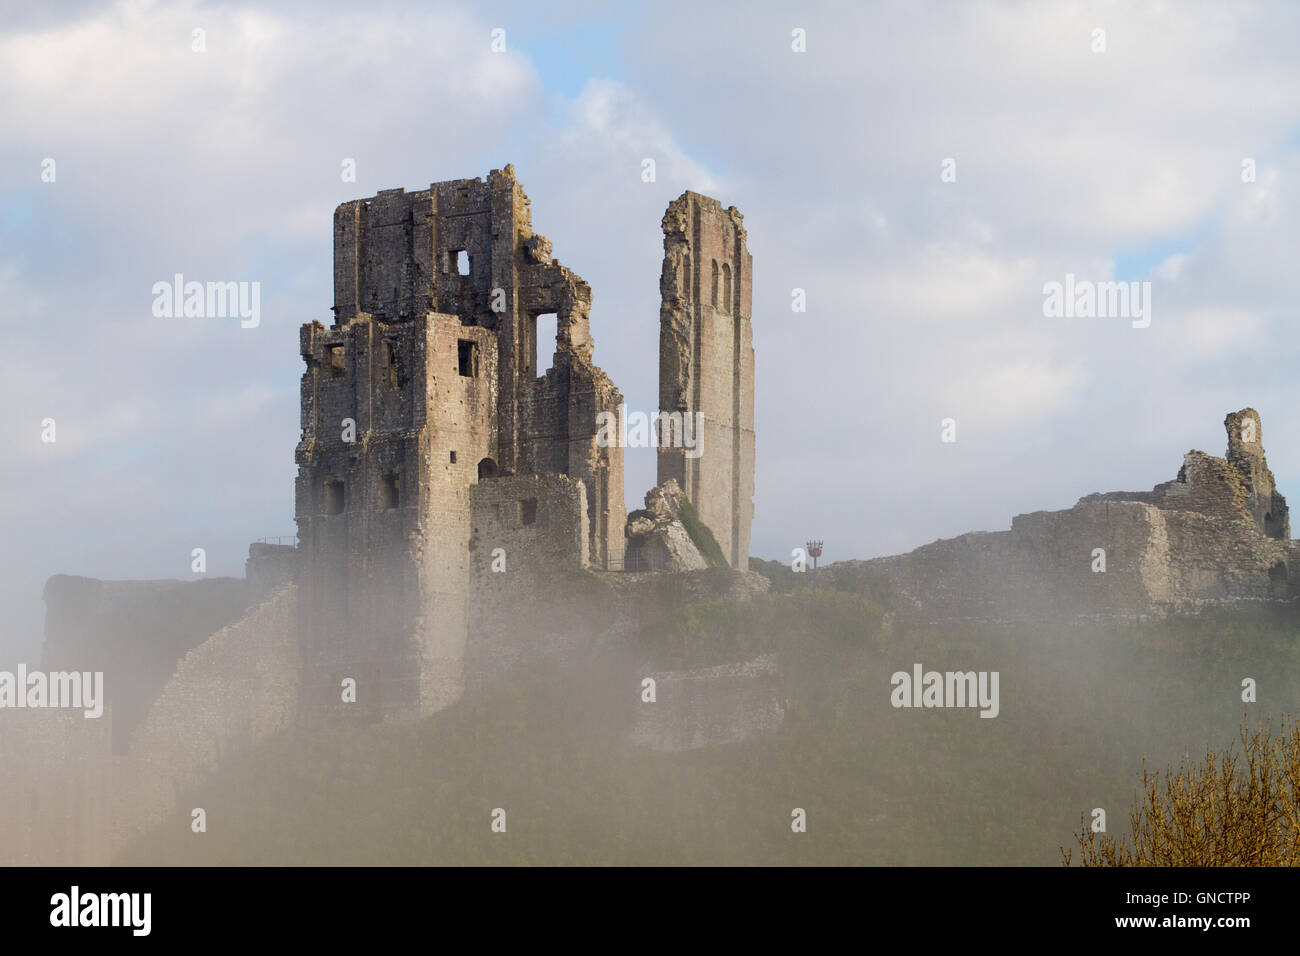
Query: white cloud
(924, 297)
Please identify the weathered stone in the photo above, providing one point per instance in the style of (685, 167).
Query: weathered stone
(434, 358)
(711, 706)
(706, 365)
(456, 508)
(1216, 535)
(656, 538)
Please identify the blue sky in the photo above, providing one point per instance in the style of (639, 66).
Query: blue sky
(924, 296)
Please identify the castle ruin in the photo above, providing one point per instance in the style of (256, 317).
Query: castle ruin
(1217, 535)
(706, 365)
(432, 380)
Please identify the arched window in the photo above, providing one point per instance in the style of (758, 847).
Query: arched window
(714, 299)
(726, 287)
(487, 468)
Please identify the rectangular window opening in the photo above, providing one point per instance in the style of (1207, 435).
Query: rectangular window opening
(546, 334)
(389, 487)
(528, 510)
(458, 259)
(333, 494)
(338, 362)
(391, 375)
(467, 358)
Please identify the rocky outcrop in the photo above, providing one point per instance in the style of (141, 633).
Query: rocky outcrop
(657, 540)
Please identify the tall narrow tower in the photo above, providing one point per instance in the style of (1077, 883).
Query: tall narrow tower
(706, 365)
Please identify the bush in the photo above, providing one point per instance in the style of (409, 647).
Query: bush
(1240, 807)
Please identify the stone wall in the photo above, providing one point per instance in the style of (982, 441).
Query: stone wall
(1214, 536)
(706, 364)
(384, 563)
(268, 568)
(711, 706)
(533, 531)
(398, 255)
(228, 694)
(134, 632)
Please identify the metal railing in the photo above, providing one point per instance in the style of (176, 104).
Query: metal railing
(621, 560)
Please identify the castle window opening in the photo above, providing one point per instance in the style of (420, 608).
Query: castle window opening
(391, 373)
(726, 287)
(714, 299)
(487, 468)
(389, 489)
(460, 259)
(338, 362)
(546, 336)
(333, 494)
(453, 458)
(528, 510)
(467, 358)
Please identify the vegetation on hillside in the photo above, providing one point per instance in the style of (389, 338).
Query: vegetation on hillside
(1080, 708)
(1236, 807)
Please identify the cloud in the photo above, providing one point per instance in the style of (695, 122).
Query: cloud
(924, 297)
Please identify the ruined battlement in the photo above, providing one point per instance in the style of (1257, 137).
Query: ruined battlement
(1216, 535)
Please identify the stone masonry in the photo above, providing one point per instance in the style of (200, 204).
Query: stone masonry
(457, 509)
(431, 380)
(706, 365)
(1217, 535)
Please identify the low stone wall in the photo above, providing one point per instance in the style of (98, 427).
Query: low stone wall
(711, 706)
(232, 691)
(1157, 561)
(135, 632)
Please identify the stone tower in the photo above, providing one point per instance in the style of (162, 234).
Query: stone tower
(430, 380)
(706, 365)
(1246, 455)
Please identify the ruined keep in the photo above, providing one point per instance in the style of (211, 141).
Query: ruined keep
(706, 366)
(431, 379)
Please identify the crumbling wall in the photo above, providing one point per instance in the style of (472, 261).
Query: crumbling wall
(711, 706)
(706, 365)
(134, 632)
(399, 255)
(657, 540)
(530, 588)
(268, 568)
(232, 691)
(392, 440)
(1207, 538)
